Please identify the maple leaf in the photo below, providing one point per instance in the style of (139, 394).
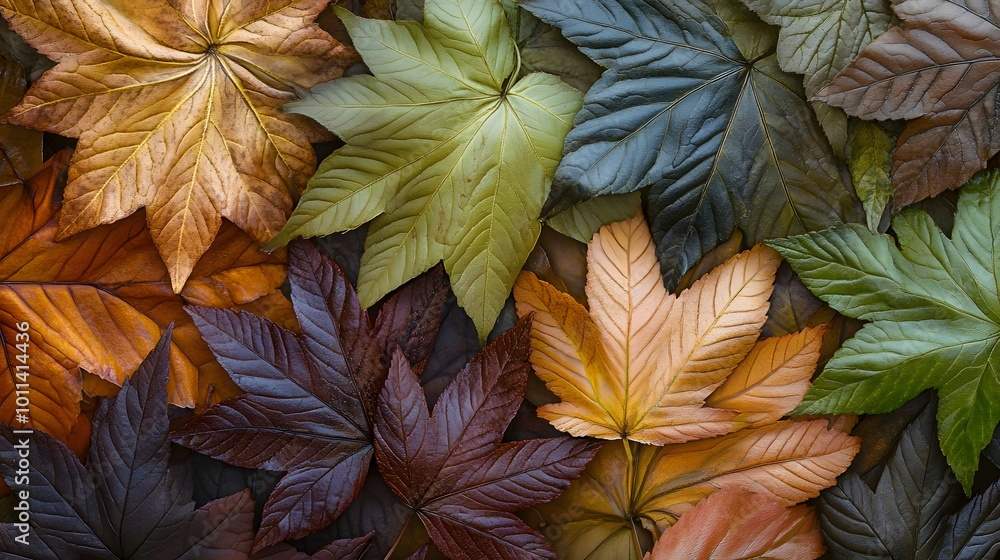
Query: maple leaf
(447, 151)
(629, 495)
(129, 501)
(641, 363)
(451, 468)
(99, 300)
(310, 399)
(951, 44)
(341, 549)
(175, 105)
(909, 511)
(935, 320)
(700, 112)
(739, 524)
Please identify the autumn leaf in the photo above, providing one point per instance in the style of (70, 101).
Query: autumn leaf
(935, 320)
(641, 363)
(626, 499)
(176, 109)
(951, 44)
(310, 399)
(739, 524)
(447, 153)
(129, 501)
(911, 510)
(343, 549)
(451, 468)
(700, 113)
(99, 300)
(871, 165)
(20, 148)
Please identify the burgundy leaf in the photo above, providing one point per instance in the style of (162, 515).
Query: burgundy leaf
(129, 502)
(309, 398)
(451, 468)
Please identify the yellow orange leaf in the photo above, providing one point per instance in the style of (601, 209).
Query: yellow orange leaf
(99, 301)
(176, 108)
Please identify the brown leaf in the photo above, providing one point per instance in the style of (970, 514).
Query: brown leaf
(938, 68)
(100, 300)
(739, 524)
(20, 148)
(176, 109)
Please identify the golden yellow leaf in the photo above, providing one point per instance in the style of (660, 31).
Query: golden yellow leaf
(621, 503)
(176, 108)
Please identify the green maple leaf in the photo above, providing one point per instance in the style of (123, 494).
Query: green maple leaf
(447, 152)
(934, 306)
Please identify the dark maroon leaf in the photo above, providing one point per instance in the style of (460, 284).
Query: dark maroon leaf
(451, 468)
(128, 502)
(343, 549)
(309, 399)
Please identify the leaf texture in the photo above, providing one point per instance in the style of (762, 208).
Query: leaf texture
(451, 468)
(176, 109)
(935, 321)
(641, 363)
(310, 398)
(738, 524)
(99, 300)
(128, 502)
(447, 153)
(621, 502)
(939, 70)
(692, 109)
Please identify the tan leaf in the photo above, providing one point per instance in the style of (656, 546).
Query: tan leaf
(640, 365)
(176, 109)
(620, 503)
(739, 524)
(772, 379)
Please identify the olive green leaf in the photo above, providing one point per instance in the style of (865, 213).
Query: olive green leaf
(871, 162)
(934, 306)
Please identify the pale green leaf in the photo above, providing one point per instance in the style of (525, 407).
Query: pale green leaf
(447, 152)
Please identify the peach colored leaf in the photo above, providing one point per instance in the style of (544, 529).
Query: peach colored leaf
(740, 524)
(772, 379)
(176, 108)
(621, 503)
(641, 363)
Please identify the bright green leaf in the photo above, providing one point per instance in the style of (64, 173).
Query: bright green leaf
(446, 152)
(934, 307)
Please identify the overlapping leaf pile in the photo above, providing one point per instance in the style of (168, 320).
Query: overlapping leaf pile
(606, 418)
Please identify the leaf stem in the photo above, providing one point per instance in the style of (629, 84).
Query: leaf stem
(399, 537)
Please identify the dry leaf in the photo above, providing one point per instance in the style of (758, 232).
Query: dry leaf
(641, 364)
(176, 109)
(101, 299)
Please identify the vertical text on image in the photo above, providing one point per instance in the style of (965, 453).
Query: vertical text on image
(22, 431)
